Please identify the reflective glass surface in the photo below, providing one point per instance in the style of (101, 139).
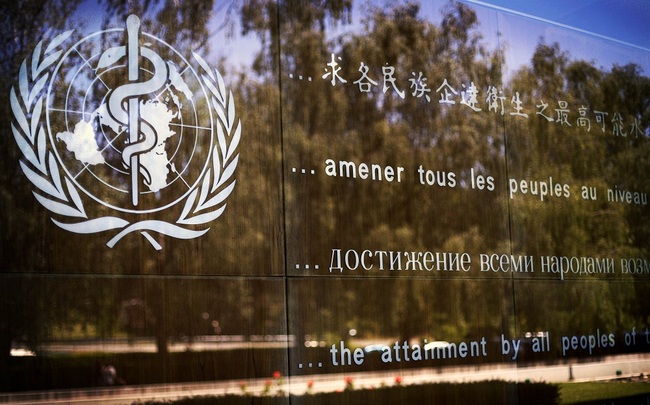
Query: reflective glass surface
(306, 202)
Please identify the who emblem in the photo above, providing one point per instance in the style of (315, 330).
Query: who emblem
(120, 138)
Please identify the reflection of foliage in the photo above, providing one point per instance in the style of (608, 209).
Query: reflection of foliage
(303, 25)
(322, 121)
(25, 312)
(596, 159)
(182, 23)
(24, 23)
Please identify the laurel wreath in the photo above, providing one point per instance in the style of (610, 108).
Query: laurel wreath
(58, 193)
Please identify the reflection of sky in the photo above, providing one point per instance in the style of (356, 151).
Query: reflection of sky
(621, 20)
(601, 53)
(579, 26)
(603, 32)
(225, 40)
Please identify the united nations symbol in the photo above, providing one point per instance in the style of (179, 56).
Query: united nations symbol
(113, 138)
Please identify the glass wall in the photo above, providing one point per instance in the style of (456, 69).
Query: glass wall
(302, 202)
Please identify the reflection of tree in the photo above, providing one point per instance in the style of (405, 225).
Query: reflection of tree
(182, 24)
(322, 121)
(341, 122)
(594, 159)
(25, 311)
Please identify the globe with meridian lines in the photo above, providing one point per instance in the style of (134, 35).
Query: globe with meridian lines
(92, 91)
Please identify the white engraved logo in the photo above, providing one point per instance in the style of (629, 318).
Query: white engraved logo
(137, 134)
